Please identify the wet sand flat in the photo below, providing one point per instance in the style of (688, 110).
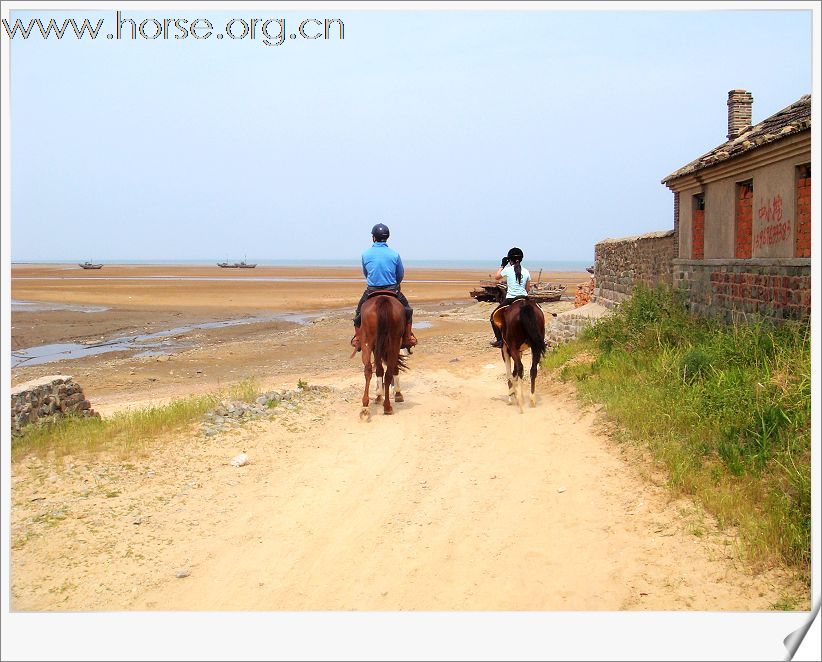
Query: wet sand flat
(143, 297)
(151, 299)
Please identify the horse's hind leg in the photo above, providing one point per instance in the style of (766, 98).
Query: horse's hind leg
(386, 405)
(379, 387)
(518, 373)
(365, 413)
(507, 358)
(396, 384)
(534, 365)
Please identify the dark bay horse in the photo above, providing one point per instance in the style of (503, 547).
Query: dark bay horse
(523, 325)
(382, 328)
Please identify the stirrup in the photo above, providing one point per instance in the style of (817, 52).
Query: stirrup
(412, 342)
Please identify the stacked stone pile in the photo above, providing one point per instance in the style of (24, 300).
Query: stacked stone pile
(231, 413)
(47, 398)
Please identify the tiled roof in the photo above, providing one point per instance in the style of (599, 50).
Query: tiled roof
(790, 120)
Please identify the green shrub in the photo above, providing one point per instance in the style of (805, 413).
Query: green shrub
(726, 408)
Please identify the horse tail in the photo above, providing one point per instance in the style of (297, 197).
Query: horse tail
(534, 337)
(384, 324)
(383, 328)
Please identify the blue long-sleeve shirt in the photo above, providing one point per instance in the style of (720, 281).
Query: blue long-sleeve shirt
(382, 265)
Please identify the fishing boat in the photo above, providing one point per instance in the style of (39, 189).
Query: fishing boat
(90, 265)
(242, 264)
(495, 291)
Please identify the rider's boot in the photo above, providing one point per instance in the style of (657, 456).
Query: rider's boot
(408, 340)
(498, 342)
(355, 340)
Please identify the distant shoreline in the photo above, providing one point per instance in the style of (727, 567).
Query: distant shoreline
(547, 265)
(271, 288)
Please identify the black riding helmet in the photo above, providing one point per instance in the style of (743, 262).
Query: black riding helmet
(380, 232)
(515, 254)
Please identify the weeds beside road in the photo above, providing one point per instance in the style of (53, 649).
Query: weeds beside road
(725, 408)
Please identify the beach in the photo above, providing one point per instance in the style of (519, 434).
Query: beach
(98, 306)
(456, 502)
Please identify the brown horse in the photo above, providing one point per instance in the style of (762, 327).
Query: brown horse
(523, 325)
(382, 328)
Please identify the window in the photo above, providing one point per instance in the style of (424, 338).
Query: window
(698, 227)
(743, 219)
(802, 241)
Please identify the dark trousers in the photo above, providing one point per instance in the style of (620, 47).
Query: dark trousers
(497, 332)
(391, 288)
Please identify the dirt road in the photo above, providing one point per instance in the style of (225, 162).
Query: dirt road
(457, 502)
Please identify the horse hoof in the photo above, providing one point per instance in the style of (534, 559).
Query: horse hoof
(388, 412)
(378, 399)
(398, 398)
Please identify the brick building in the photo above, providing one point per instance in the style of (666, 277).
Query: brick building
(742, 217)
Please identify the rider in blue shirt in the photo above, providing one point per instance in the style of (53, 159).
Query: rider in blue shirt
(383, 270)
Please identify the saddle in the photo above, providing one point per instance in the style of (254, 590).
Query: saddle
(377, 293)
(498, 313)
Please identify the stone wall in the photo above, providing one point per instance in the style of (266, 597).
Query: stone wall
(621, 264)
(569, 324)
(47, 398)
(775, 288)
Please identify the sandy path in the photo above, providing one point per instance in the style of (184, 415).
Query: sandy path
(457, 502)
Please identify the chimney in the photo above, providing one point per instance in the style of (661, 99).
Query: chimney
(739, 112)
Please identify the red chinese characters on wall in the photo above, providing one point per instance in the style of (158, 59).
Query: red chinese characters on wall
(776, 229)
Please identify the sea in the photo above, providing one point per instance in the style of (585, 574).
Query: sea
(531, 264)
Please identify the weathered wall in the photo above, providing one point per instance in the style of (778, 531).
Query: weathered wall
(686, 212)
(776, 214)
(621, 264)
(720, 209)
(777, 289)
(47, 398)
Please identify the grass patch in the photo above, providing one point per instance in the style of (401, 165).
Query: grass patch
(725, 408)
(125, 433)
(246, 390)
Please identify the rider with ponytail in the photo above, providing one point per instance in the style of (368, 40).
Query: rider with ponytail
(518, 280)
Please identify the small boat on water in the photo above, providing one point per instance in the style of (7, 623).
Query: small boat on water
(236, 265)
(90, 265)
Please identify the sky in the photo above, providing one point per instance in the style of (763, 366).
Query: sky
(466, 132)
